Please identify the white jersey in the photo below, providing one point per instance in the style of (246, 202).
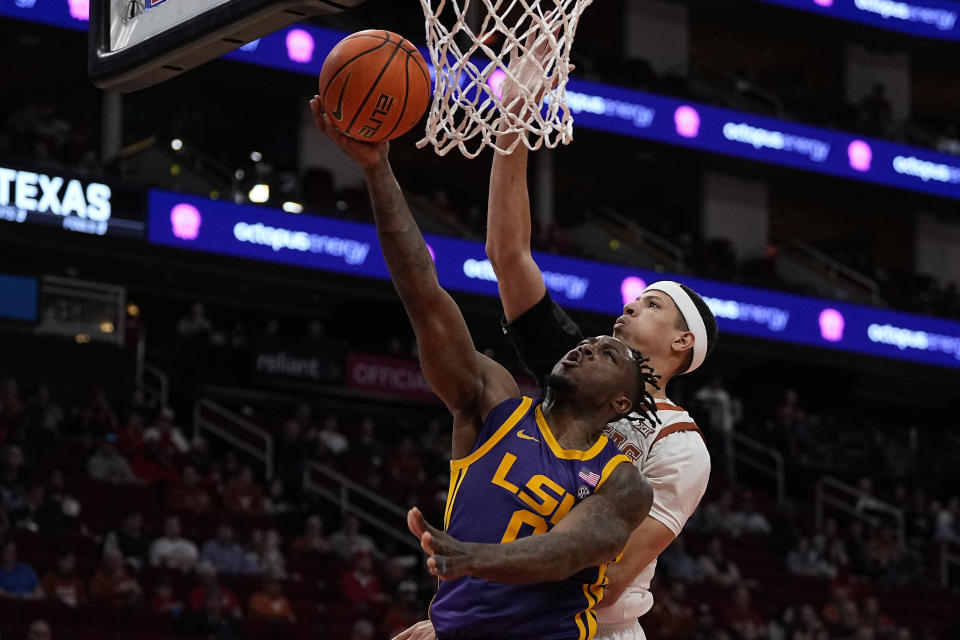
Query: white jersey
(673, 456)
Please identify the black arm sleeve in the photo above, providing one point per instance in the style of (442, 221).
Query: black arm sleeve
(542, 335)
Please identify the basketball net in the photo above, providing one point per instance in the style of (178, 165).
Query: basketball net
(506, 75)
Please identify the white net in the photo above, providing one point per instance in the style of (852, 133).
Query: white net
(501, 67)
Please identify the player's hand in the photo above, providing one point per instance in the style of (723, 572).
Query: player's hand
(423, 630)
(529, 68)
(448, 556)
(366, 154)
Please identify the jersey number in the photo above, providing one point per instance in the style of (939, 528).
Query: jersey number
(545, 498)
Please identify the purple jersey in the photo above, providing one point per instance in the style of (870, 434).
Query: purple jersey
(518, 482)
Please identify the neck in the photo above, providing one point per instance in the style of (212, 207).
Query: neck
(573, 426)
(660, 367)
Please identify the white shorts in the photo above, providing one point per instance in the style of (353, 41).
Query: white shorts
(622, 631)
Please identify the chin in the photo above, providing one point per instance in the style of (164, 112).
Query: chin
(560, 383)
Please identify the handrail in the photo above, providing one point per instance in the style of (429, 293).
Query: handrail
(163, 383)
(647, 236)
(853, 506)
(264, 454)
(341, 496)
(849, 273)
(776, 469)
(949, 555)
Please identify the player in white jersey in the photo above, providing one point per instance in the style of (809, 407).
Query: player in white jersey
(669, 323)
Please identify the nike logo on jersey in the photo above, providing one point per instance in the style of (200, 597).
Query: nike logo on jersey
(522, 435)
(338, 112)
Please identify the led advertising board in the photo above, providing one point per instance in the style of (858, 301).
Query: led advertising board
(221, 227)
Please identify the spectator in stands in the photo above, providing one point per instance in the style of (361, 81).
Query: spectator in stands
(42, 419)
(406, 466)
(13, 479)
(226, 555)
(723, 410)
(154, 465)
(63, 583)
(276, 502)
(11, 408)
(109, 466)
(112, 582)
(680, 565)
(209, 586)
(403, 612)
(330, 440)
(17, 579)
(873, 618)
(211, 621)
(312, 541)
(876, 112)
(290, 455)
(195, 325)
(367, 449)
(717, 517)
(189, 494)
(172, 550)
(199, 456)
(96, 416)
(360, 585)
(747, 519)
(163, 599)
(674, 615)
(39, 630)
(129, 540)
(130, 440)
(947, 525)
(349, 541)
(841, 615)
(362, 629)
(38, 514)
(270, 604)
(716, 566)
(243, 494)
(949, 140)
(740, 617)
(267, 551)
(167, 434)
(804, 560)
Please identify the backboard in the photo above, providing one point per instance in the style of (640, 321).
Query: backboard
(138, 43)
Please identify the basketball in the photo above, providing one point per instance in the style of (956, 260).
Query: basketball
(374, 86)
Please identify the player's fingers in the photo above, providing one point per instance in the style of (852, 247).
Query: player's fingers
(415, 522)
(414, 632)
(427, 543)
(317, 109)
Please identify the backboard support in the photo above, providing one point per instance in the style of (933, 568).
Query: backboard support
(135, 44)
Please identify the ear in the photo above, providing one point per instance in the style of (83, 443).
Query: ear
(683, 342)
(622, 405)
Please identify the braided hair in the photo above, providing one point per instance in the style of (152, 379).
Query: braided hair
(643, 401)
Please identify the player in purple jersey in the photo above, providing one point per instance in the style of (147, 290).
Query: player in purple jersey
(518, 468)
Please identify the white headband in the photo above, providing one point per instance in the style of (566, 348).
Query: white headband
(691, 314)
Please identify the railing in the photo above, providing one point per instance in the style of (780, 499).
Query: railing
(949, 557)
(356, 499)
(155, 382)
(858, 504)
(657, 247)
(88, 311)
(762, 458)
(242, 434)
(838, 273)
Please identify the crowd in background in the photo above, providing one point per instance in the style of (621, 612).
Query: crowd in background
(208, 541)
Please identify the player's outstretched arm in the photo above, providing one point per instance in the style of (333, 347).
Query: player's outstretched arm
(465, 380)
(593, 533)
(508, 207)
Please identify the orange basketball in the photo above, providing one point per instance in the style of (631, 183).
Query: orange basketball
(374, 86)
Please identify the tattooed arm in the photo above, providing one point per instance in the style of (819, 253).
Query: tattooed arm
(469, 383)
(593, 533)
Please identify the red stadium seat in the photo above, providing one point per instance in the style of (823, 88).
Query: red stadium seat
(145, 620)
(53, 611)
